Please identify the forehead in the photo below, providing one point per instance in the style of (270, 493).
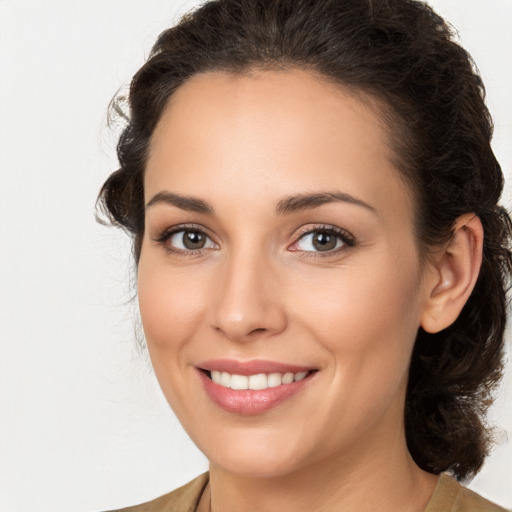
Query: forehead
(281, 131)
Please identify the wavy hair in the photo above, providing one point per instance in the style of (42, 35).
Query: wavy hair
(404, 55)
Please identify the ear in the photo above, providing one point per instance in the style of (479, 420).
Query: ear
(452, 276)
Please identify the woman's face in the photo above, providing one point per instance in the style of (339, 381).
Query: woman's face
(279, 247)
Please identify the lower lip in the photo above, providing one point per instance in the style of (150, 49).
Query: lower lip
(249, 401)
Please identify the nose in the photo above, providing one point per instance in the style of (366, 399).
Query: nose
(246, 302)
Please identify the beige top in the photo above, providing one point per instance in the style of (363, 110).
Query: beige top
(449, 496)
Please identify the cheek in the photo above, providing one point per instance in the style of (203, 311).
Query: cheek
(170, 305)
(368, 313)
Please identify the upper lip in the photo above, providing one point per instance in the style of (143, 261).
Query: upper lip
(252, 367)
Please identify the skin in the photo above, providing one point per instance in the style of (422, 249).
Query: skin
(260, 290)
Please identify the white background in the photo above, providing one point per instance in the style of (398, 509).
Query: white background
(83, 426)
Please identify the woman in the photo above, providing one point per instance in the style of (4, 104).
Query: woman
(322, 262)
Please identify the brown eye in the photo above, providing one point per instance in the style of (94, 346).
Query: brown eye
(193, 240)
(190, 240)
(323, 241)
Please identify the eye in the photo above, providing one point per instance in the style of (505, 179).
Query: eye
(190, 240)
(183, 240)
(326, 239)
(319, 241)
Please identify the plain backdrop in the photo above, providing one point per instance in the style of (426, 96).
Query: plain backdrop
(83, 425)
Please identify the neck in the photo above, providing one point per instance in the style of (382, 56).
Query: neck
(378, 478)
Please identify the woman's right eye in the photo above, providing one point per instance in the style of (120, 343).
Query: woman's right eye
(187, 240)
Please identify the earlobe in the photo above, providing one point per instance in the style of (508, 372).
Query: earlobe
(453, 275)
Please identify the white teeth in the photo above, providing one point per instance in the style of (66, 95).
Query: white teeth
(287, 378)
(225, 379)
(255, 382)
(275, 379)
(239, 382)
(258, 381)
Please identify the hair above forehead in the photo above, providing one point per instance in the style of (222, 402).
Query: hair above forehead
(404, 55)
(399, 51)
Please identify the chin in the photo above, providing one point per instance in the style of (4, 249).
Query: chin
(255, 459)
(267, 468)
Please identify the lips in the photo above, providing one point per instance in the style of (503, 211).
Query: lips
(252, 387)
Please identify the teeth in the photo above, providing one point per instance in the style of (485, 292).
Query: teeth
(255, 382)
(225, 379)
(287, 378)
(258, 381)
(239, 382)
(215, 375)
(275, 379)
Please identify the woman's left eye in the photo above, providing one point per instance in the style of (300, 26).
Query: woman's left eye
(322, 240)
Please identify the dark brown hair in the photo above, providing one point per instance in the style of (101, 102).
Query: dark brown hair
(403, 54)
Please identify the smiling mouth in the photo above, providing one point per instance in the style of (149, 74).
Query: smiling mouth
(255, 382)
(252, 387)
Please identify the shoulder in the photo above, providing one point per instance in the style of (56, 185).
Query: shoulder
(450, 496)
(183, 499)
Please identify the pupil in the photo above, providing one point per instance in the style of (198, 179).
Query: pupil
(193, 240)
(324, 241)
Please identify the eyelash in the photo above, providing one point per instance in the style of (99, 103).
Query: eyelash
(167, 234)
(346, 238)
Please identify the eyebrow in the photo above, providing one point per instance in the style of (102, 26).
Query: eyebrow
(306, 201)
(286, 205)
(191, 204)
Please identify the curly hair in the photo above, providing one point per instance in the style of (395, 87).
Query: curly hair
(404, 55)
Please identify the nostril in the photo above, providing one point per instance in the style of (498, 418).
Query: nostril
(247, 321)
(258, 330)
